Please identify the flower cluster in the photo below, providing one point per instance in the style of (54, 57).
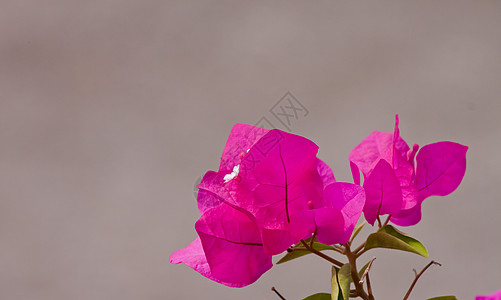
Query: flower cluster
(392, 182)
(271, 192)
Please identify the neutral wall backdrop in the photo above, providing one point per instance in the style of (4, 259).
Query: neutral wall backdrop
(111, 110)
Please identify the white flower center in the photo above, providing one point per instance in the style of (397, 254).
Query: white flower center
(232, 175)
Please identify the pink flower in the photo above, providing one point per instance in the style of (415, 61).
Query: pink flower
(495, 296)
(269, 193)
(394, 185)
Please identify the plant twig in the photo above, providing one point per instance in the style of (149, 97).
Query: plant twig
(359, 248)
(278, 294)
(354, 235)
(338, 248)
(416, 277)
(353, 294)
(313, 238)
(361, 252)
(387, 220)
(352, 258)
(297, 248)
(369, 288)
(366, 275)
(366, 272)
(326, 257)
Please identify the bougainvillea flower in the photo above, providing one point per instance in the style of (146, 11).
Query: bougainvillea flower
(495, 296)
(397, 186)
(270, 191)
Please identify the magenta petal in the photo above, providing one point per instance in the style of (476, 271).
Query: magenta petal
(383, 193)
(407, 217)
(349, 199)
(302, 225)
(440, 167)
(410, 213)
(276, 240)
(404, 171)
(400, 162)
(211, 192)
(242, 137)
(355, 172)
(495, 296)
(399, 144)
(277, 179)
(330, 225)
(232, 246)
(194, 257)
(411, 154)
(325, 172)
(378, 145)
(214, 191)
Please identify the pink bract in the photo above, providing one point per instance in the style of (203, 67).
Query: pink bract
(347, 199)
(229, 249)
(394, 185)
(495, 296)
(232, 246)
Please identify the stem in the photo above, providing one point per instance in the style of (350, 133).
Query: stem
(278, 294)
(359, 248)
(369, 288)
(336, 248)
(326, 257)
(417, 275)
(339, 249)
(366, 272)
(352, 258)
(313, 238)
(387, 220)
(361, 252)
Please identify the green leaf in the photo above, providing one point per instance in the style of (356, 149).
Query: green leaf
(344, 278)
(340, 281)
(444, 298)
(335, 294)
(388, 237)
(298, 253)
(357, 229)
(319, 296)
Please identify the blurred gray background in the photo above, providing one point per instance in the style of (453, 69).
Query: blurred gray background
(110, 111)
